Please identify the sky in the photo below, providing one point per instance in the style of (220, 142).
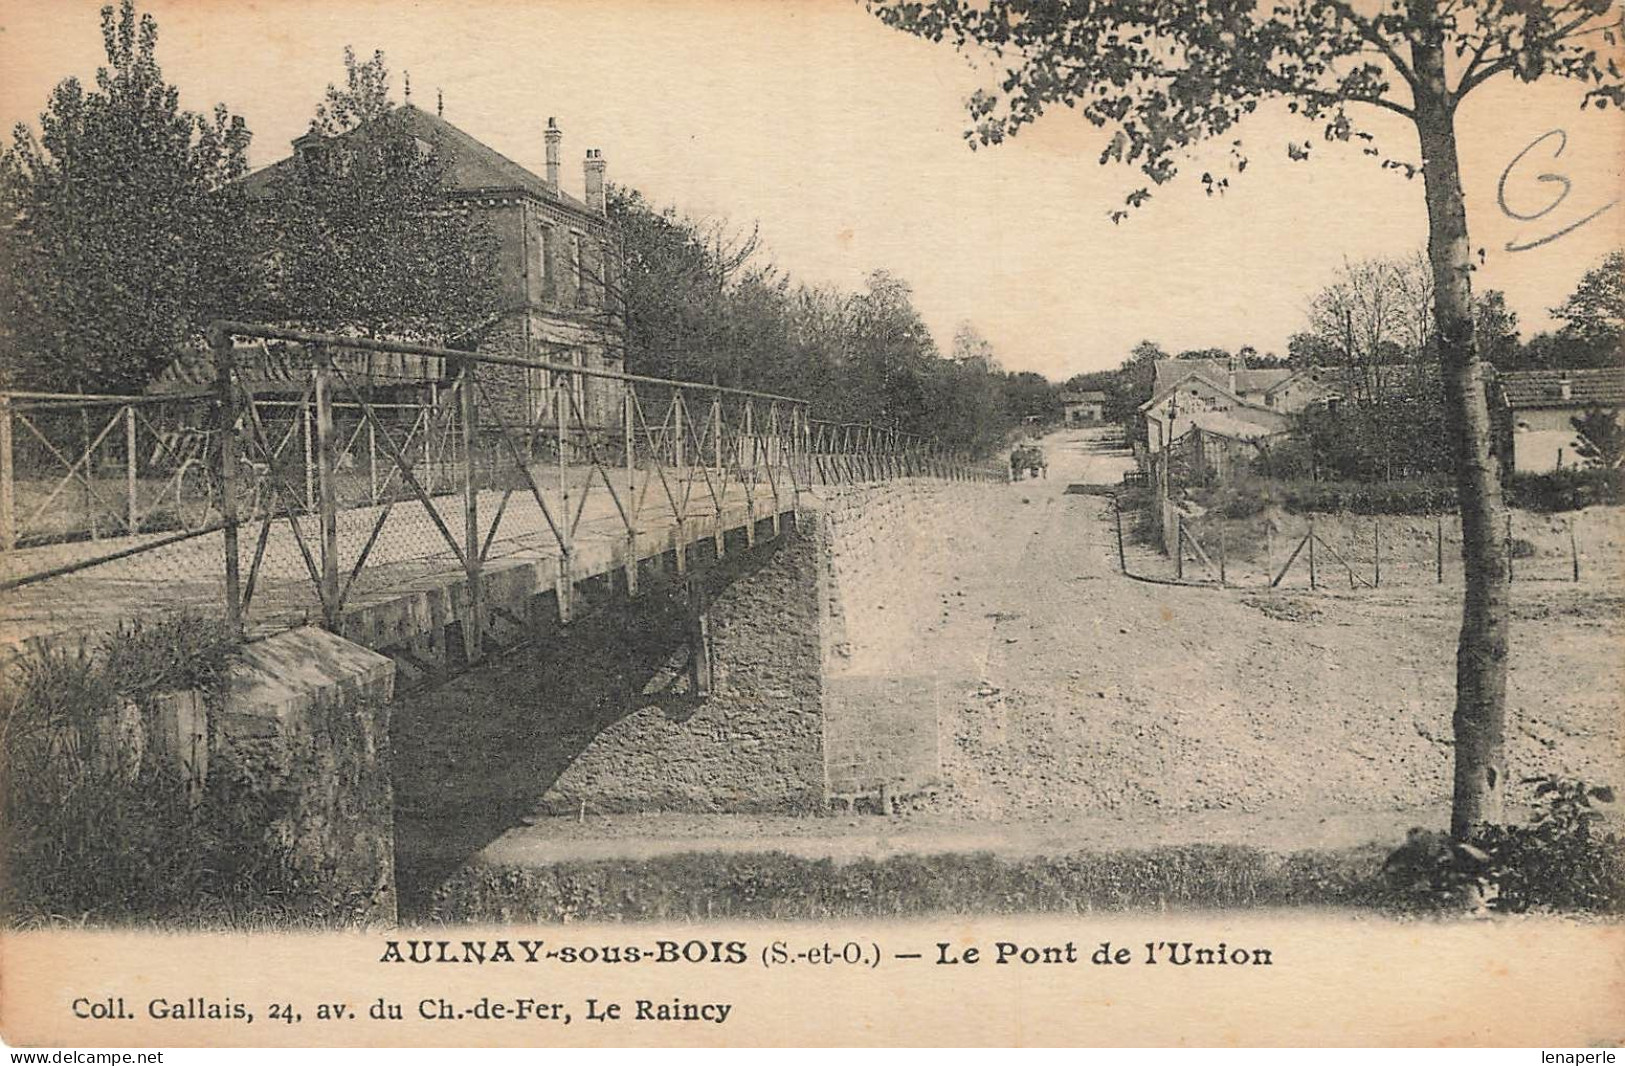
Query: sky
(844, 141)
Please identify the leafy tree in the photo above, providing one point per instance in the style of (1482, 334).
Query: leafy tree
(1601, 438)
(1030, 395)
(1496, 325)
(1160, 77)
(1374, 317)
(973, 349)
(1596, 308)
(699, 305)
(120, 227)
(359, 233)
(1308, 348)
(365, 96)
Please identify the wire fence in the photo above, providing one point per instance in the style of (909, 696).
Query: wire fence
(320, 471)
(1367, 551)
(1252, 543)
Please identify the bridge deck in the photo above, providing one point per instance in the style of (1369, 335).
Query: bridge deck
(411, 582)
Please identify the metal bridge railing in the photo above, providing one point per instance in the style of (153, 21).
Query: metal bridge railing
(372, 463)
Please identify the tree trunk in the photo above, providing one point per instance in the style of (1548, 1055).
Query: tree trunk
(1481, 653)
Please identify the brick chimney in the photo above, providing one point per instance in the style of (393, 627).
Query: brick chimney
(594, 169)
(555, 137)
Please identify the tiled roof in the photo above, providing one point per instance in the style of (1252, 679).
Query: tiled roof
(1604, 387)
(278, 368)
(472, 166)
(1168, 371)
(1261, 380)
(1083, 397)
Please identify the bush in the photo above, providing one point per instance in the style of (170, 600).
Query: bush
(1559, 862)
(1251, 496)
(1374, 497)
(93, 828)
(1569, 489)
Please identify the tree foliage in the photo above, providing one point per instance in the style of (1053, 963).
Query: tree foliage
(701, 304)
(120, 228)
(1159, 78)
(1600, 438)
(358, 233)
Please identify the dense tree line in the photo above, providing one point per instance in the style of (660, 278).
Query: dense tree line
(701, 304)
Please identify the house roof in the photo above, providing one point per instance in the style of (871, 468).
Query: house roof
(1151, 406)
(471, 165)
(1261, 380)
(1603, 387)
(276, 368)
(1083, 397)
(192, 370)
(1168, 371)
(1327, 377)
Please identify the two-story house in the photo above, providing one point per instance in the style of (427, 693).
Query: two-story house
(556, 273)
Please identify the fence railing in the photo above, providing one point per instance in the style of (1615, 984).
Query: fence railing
(1359, 551)
(376, 462)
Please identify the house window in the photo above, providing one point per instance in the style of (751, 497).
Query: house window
(538, 264)
(578, 387)
(575, 264)
(538, 389)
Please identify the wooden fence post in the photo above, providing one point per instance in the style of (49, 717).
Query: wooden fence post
(718, 540)
(226, 426)
(474, 628)
(8, 483)
(327, 497)
(1179, 548)
(699, 635)
(310, 457)
(627, 416)
(1376, 552)
(1117, 515)
(1312, 581)
(1438, 548)
(133, 513)
(1574, 550)
(1269, 549)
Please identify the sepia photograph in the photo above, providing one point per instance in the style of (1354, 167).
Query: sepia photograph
(609, 522)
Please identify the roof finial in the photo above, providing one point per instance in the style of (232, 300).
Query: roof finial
(408, 74)
(439, 104)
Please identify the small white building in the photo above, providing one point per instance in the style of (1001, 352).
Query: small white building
(1084, 408)
(1536, 409)
(1194, 399)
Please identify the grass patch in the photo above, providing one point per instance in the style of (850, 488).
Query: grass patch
(1559, 863)
(95, 830)
(779, 886)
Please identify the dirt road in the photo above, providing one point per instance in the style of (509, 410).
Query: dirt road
(1096, 694)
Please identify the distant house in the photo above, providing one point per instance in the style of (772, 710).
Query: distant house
(1084, 408)
(555, 273)
(1221, 398)
(1300, 388)
(1534, 409)
(1234, 376)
